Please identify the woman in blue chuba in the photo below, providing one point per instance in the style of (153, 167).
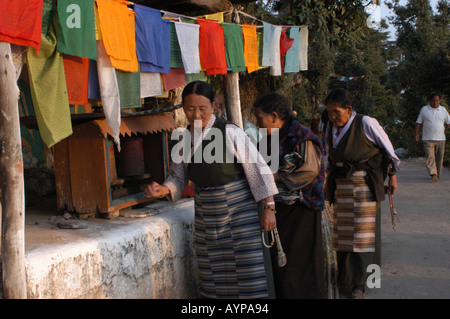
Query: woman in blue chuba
(228, 228)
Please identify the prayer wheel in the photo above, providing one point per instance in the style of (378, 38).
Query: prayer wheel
(131, 157)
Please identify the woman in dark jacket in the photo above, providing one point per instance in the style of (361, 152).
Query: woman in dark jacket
(298, 214)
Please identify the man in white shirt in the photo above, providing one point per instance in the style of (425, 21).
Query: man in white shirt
(433, 117)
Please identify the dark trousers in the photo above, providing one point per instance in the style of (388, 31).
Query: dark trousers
(300, 231)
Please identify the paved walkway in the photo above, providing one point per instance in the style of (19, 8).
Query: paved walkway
(416, 256)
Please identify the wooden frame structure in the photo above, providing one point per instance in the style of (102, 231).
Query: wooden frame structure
(86, 165)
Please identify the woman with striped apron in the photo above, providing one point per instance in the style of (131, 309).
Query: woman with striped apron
(360, 155)
(227, 225)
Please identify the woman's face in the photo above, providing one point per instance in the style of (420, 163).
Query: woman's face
(198, 107)
(268, 121)
(338, 116)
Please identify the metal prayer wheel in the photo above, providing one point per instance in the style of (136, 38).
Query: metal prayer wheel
(131, 157)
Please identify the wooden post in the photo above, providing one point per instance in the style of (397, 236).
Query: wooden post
(233, 98)
(11, 172)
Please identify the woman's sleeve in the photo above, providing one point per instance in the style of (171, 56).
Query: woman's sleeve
(258, 173)
(377, 135)
(177, 180)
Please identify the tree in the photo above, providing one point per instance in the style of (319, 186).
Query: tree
(423, 39)
(331, 23)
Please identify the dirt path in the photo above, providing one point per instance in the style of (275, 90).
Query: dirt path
(416, 256)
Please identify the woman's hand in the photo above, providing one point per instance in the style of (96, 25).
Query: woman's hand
(268, 220)
(156, 190)
(392, 184)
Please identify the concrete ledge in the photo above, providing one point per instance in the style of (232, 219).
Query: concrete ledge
(150, 257)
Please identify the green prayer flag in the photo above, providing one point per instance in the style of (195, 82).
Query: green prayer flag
(76, 28)
(175, 51)
(234, 47)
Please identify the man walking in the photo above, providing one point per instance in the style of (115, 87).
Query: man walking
(433, 117)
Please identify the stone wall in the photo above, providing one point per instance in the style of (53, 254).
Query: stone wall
(151, 257)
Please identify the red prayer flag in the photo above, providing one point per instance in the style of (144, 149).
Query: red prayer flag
(212, 47)
(285, 44)
(21, 22)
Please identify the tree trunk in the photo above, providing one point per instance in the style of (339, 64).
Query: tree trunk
(233, 99)
(11, 175)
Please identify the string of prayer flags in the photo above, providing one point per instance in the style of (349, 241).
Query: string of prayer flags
(119, 52)
(344, 78)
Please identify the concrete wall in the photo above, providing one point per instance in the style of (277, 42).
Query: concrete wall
(151, 257)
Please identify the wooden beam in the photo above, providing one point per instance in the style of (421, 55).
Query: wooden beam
(233, 98)
(11, 172)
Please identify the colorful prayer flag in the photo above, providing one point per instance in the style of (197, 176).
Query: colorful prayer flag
(76, 28)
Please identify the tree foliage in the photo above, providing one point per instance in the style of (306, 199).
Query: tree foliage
(423, 67)
(331, 23)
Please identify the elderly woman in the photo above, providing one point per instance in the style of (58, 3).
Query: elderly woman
(360, 156)
(298, 204)
(227, 225)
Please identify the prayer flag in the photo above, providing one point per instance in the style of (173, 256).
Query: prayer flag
(152, 40)
(250, 47)
(212, 47)
(234, 47)
(21, 22)
(76, 28)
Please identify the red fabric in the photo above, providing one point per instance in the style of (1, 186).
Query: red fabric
(21, 22)
(285, 44)
(76, 70)
(212, 47)
(189, 190)
(175, 79)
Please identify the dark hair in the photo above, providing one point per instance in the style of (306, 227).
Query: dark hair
(339, 97)
(274, 102)
(200, 88)
(435, 94)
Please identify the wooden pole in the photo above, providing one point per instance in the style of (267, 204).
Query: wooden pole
(11, 172)
(233, 98)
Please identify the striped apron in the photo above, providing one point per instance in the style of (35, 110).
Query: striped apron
(228, 242)
(354, 219)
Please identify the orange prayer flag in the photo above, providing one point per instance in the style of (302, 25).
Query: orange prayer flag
(118, 31)
(76, 70)
(250, 47)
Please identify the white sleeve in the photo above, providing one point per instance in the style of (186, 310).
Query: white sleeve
(258, 173)
(177, 180)
(447, 119)
(420, 117)
(378, 136)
